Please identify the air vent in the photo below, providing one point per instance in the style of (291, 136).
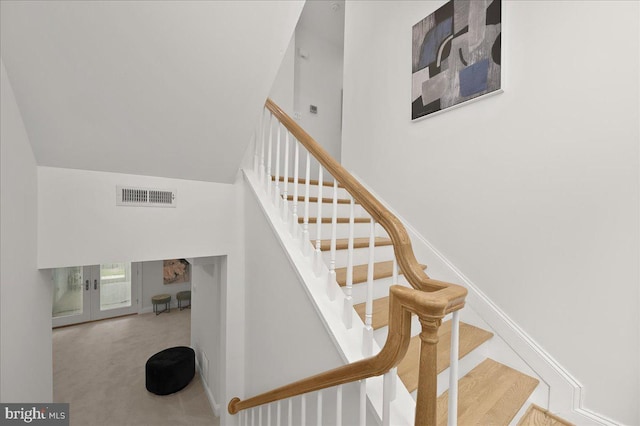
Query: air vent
(145, 197)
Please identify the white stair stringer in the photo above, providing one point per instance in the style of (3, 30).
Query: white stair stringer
(347, 341)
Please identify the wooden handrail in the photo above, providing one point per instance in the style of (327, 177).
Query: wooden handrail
(430, 307)
(429, 299)
(407, 262)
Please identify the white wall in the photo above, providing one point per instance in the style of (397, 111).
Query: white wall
(207, 323)
(282, 89)
(25, 292)
(153, 284)
(533, 194)
(318, 81)
(80, 224)
(285, 339)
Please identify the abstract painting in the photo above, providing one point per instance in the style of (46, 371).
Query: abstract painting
(175, 271)
(456, 55)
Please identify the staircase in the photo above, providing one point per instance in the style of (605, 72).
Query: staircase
(490, 394)
(353, 244)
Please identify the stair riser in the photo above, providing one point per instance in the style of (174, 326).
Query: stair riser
(380, 289)
(360, 256)
(327, 210)
(342, 230)
(327, 191)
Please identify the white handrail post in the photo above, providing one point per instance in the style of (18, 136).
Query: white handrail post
(279, 413)
(269, 415)
(319, 411)
(262, 143)
(269, 155)
(386, 398)
(348, 300)
(257, 140)
(303, 410)
(339, 406)
(276, 192)
(290, 412)
(367, 339)
(285, 182)
(294, 217)
(259, 415)
(363, 403)
(331, 281)
(453, 369)
(318, 253)
(253, 417)
(305, 224)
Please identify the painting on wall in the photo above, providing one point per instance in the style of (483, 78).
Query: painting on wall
(456, 55)
(176, 271)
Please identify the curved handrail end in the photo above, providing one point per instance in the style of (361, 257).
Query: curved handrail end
(232, 405)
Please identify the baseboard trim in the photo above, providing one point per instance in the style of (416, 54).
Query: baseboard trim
(212, 401)
(566, 393)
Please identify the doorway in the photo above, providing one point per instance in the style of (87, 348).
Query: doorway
(89, 293)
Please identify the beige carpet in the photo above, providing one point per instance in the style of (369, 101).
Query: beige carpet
(98, 368)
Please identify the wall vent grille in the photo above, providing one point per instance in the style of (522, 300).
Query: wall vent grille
(145, 197)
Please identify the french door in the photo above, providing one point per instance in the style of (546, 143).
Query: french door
(88, 293)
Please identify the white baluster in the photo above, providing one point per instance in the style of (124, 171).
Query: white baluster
(348, 291)
(303, 410)
(294, 220)
(269, 415)
(305, 223)
(318, 253)
(331, 281)
(290, 417)
(278, 413)
(395, 270)
(394, 382)
(253, 417)
(386, 398)
(319, 413)
(339, 406)
(276, 192)
(367, 340)
(258, 141)
(453, 369)
(269, 155)
(363, 403)
(262, 143)
(285, 182)
(260, 415)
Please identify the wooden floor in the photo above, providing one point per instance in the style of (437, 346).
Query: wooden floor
(538, 416)
(490, 394)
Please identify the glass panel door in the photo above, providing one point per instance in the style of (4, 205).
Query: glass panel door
(95, 292)
(71, 287)
(116, 293)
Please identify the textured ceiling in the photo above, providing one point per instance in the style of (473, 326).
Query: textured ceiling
(156, 88)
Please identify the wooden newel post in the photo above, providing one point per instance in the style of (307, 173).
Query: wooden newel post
(426, 401)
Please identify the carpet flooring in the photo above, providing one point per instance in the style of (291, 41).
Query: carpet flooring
(98, 368)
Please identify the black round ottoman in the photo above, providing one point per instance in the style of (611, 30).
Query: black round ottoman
(170, 370)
